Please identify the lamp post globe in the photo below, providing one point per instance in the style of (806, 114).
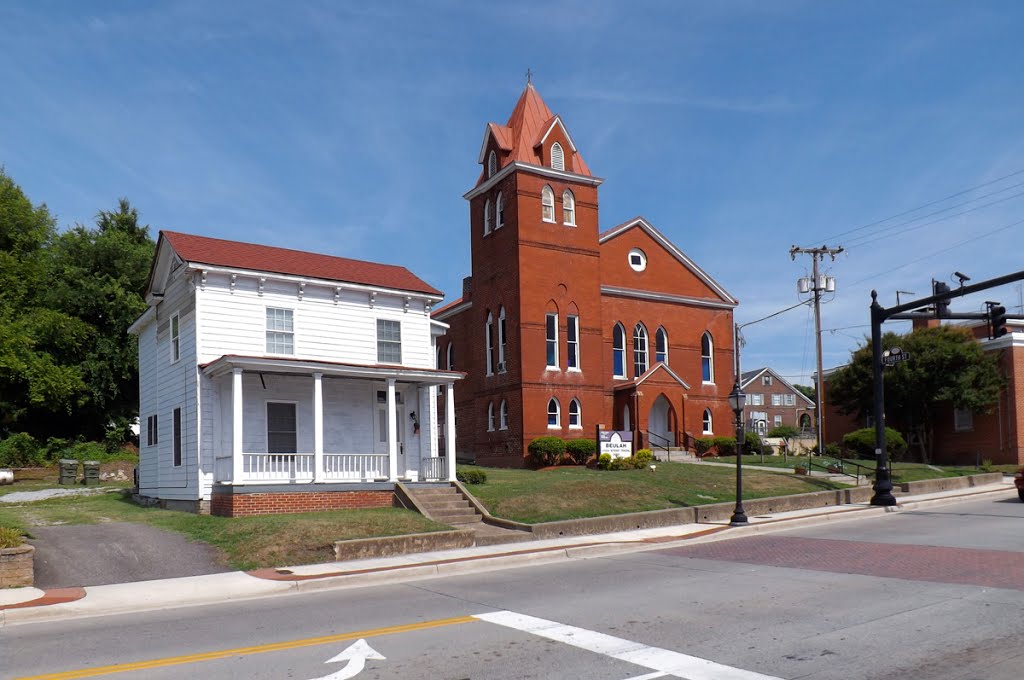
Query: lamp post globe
(737, 400)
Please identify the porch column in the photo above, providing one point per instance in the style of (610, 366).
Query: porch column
(392, 433)
(237, 461)
(318, 427)
(449, 429)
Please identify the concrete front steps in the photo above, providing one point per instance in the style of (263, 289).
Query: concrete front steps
(447, 505)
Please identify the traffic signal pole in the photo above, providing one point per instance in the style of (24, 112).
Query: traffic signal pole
(883, 476)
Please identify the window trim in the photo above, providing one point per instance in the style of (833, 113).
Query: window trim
(503, 415)
(708, 422)
(490, 416)
(551, 340)
(492, 164)
(572, 354)
(959, 416)
(707, 358)
(578, 415)
(640, 335)
(618, 327)
(557, 413)
(637, 252)
(568, 208)
(451, 355)
(153, 430)
(489, 344)
(389, 343)
(175, 329)
(547, 204)
(661, 338)
(176, 438)
(499, 211)
(487, 217)
(557, 153)
(266, 414)
(502, 338)
(290, 334)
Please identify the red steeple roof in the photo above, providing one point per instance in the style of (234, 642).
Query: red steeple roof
(531, 119)
(221, 253)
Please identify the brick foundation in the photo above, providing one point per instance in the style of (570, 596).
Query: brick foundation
(16, 566)
(239, 504)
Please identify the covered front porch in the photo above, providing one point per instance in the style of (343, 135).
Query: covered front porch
(279, 421)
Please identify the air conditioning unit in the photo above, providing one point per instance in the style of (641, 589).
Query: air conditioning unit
(501, 367)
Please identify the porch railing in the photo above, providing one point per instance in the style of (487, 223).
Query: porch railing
(433, 470)
(275, 467)
(355, 466)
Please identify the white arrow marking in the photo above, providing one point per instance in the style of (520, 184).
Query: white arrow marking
(356, 655)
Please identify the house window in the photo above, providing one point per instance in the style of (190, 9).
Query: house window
(707, 421)
(963, 420)
(575, 419)
(776, 400)
(661, 346)
(389, 341)
(176, 423)
(789, 399)
(504, 415)
(490, 416)
(451, 356)
(281, 430)
(639, 350)
(501, 340)
(778, 421)
(707, 363)
(568, 208)
(572, 332)
(557, 157)
(152, 431)
(618, 351)
(554, 415)
(756, 399)
(637, 260)
(551, 330)
(766, 380)
(438, 363)
(489, 335)
(280, 331)
(499, 212)
(487, 217)
(492, 164)
(175, 339)
(547, 204)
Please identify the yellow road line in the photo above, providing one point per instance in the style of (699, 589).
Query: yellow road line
(240, 651)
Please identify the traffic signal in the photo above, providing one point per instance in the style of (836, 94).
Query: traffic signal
(941, 306)
(997, 320)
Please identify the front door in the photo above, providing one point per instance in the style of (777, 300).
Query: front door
(381, 440)
(658, 425)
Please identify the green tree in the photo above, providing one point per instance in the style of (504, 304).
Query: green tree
(947, 367)
(808, 391)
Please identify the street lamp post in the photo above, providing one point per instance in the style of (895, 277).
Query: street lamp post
(737, 400)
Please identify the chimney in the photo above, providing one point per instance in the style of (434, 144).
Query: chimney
(467, 288)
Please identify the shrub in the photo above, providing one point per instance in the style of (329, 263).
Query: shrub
(703, 445)
(834, 450)
(11, 537)
(752, 445)
(21, 450)
(546, 451)
(862, 443)
(726, 445)
(621, 464)
(643, 458)
(604, 461)
(580, 450)
(470, 475)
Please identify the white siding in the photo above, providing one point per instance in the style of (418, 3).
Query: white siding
(148, 406)
(346, 331)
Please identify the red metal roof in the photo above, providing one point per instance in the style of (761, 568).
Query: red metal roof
(222, 253)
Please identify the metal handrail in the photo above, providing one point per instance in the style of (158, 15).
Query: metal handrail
(663, 447)
(837, 463)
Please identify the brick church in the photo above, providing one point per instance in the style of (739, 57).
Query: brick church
(562, 326)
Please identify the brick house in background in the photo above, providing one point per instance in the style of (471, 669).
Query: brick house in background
(962, 437)
(772, 401)
(560, 326)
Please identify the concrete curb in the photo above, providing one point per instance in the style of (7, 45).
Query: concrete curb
(236, 586)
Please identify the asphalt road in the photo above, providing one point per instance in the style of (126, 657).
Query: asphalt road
(928, 595)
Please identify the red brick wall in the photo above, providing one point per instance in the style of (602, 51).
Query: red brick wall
(246, 504)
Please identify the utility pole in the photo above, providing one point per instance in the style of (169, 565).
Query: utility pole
(818, 284)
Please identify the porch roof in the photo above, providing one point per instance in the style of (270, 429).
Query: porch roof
(636, 382)
(422, 376)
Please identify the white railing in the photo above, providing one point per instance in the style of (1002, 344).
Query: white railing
(433, 470)
(355, 466)
(277, 467)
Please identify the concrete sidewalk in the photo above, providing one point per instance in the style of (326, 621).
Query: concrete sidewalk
(30, 604)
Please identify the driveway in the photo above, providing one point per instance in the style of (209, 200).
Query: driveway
(116, 552)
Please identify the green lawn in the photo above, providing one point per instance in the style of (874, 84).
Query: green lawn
(244, 542)
(576, 492)
(901, 472)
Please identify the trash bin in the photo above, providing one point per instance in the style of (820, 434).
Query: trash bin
(68, 471)
(91, 472)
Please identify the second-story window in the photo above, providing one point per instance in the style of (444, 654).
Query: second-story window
(551, 331)
(639, 350)
(707, 362)
(489, 338)
(499, 212)
(280, 331)
(487, 217)
(618, 351)
(389, 341)
(492, 164)
(175, 338)
(568, 208)
(661, 346)
(572, 334)
(547, 203)
(557, 157)
(502, 338)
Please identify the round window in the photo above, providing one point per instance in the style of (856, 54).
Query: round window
(637, 260)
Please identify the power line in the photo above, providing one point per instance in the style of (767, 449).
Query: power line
(922, 207)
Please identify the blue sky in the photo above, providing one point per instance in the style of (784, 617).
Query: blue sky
(737, 128)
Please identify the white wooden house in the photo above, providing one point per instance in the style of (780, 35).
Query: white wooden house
(278, 380)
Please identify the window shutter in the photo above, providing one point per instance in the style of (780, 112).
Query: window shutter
(557, 157)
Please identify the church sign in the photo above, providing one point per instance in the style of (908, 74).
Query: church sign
(618, 444)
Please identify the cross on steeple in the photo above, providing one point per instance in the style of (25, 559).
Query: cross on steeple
(529, 76)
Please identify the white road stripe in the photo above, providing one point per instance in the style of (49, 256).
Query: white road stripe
(663, 660)
(649, 676)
